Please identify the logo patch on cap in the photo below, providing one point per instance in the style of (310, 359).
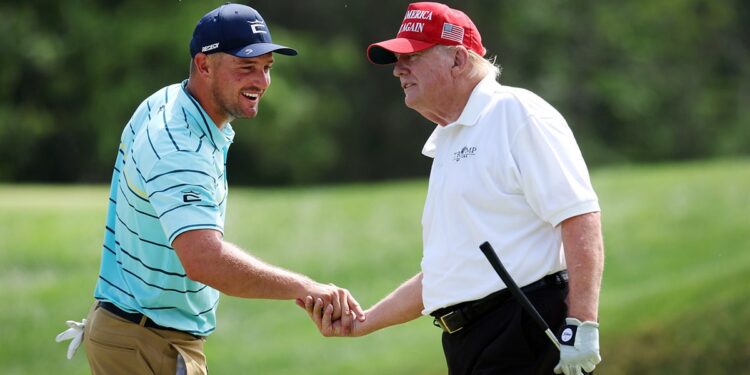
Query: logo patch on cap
(210, 47)
(452, 32)
(258, 27)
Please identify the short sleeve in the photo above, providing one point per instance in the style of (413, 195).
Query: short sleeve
(554, 176)
(186, 193)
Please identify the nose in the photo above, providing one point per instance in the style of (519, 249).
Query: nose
(265, 79)
(260, 79)
(399, 69)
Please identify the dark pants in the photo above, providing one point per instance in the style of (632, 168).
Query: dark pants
(507, 341)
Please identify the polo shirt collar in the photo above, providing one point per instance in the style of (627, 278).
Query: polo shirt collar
(202, 122)
(478, 100)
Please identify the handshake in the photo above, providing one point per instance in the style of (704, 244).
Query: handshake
(334, 311)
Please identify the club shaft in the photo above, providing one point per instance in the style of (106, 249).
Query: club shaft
(489, 252)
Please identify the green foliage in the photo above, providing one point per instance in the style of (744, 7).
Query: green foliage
(637, 81)
(674, 299)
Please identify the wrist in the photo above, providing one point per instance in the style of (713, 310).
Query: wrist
(583, 317)
(370, 324)
(305, 286)
(577, 322)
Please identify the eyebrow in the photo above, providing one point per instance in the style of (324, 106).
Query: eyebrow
(408, 54)
(249, 62)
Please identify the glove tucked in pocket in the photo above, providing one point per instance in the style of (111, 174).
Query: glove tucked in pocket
(73, 333)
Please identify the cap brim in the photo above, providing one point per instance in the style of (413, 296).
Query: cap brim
(255, 50)
(383, 53)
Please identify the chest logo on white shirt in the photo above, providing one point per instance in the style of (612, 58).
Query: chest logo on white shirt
(464, 153)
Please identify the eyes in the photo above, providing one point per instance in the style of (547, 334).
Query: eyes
(255, 67)
(409, 57)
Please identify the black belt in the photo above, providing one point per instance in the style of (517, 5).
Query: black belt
(137, 318)
(454, 318)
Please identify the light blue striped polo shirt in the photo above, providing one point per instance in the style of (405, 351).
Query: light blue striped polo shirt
(169, 178)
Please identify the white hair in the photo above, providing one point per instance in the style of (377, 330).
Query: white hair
(485, 66)
(480, 66)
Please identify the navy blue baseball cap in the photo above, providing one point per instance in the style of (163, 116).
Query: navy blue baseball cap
(235, 29)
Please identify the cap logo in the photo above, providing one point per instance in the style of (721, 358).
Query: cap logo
(210, 47)
(452, 32)
(258, 27)
(415, 14)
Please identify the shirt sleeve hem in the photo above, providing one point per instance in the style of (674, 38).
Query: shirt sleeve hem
(188, 228)
(578, 209)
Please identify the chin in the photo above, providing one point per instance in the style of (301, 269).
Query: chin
(250, 113)
(409, 103)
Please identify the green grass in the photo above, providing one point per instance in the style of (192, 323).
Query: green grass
(674, 301)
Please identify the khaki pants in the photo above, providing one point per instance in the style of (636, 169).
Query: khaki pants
(117, 346)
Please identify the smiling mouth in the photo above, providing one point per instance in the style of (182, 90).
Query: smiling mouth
(407, 85)
(254, 96)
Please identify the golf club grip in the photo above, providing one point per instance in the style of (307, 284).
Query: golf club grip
(489, 252)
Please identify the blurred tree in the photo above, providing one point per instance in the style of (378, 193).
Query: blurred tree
(638, 81)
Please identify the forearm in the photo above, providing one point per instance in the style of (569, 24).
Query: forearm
(237, 273)
(584, 254)
(400, 306)
(210, 260)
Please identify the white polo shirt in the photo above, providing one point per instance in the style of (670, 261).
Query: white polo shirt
(508, 171)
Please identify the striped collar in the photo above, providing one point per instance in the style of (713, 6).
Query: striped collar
(219, 138)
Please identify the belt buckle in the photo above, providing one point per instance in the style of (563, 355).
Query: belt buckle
(444, 325)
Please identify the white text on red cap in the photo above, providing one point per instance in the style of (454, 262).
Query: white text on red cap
(415, 14)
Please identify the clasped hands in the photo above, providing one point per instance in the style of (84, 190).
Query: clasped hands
(334, 312)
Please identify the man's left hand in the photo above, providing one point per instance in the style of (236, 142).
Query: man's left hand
(579, 347)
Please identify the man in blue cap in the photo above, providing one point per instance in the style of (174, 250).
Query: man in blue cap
(164, 260)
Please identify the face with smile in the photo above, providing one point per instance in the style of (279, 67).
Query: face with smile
(426, 79)
(237, 84)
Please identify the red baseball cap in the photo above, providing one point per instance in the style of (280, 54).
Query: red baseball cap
(426, 25)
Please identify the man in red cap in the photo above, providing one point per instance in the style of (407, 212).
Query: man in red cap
(506, 170)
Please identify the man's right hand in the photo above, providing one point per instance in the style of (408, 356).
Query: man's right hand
(343, 305)
(400, 306)
(322, 314)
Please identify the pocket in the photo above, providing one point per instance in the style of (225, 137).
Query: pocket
(108, 358)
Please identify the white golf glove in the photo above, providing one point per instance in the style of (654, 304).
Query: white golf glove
(75, 332)
(579, 347)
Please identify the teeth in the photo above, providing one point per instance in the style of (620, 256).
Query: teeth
(250, 95)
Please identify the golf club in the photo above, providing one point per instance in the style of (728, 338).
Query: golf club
(489, 252)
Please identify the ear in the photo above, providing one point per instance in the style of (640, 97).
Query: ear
(202, 64)
(460, 61)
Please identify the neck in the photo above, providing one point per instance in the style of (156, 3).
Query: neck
(200, 91)
(450, 111)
